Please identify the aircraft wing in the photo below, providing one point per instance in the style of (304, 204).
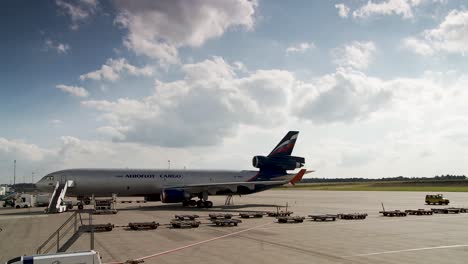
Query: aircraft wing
(226, 187)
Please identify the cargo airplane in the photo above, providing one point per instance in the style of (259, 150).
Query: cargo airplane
(180, 186)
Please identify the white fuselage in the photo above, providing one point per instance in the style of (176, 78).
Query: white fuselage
(136, 182)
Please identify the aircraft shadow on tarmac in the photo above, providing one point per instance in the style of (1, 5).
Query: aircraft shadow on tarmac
(219, 208)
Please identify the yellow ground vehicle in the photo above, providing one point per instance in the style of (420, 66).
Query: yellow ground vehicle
(436, 199)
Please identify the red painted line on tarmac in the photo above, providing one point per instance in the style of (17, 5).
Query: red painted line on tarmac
(194, 244)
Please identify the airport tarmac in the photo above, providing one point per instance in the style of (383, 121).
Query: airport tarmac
(377, 239)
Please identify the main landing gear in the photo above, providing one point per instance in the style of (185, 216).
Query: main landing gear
(200, 203)
(83, 201)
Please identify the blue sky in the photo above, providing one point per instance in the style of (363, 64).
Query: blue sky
(377, 88)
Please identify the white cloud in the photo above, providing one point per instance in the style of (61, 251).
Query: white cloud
(60, 48)
(343, 10)
(344, 96)
(451, 36)
(73, 90)
(158, 28)
(78, 11)
(206, 106)
(357, 54)
(55, 122)
(29, 152)
(300, 48)
(403, 8)
(114, 67)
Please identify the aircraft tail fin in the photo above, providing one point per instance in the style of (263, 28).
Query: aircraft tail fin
(286, 145)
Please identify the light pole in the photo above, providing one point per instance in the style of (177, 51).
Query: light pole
(14, 173)
(32, 177)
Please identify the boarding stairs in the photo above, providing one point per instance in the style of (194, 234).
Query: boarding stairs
(56, 204)
(67, 234)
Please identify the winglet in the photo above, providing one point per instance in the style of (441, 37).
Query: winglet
(298, 176)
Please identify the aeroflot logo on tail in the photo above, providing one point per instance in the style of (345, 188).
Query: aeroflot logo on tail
(153, 176)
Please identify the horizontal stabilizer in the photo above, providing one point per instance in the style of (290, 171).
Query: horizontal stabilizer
(298, 176)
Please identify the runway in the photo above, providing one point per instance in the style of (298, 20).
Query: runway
(412, 239)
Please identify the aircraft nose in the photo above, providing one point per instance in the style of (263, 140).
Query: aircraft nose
(41, 185)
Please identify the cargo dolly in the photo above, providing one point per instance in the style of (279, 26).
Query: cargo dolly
(177, 223)
(446, 210)
(98, 227)
(355, 216)
(226, 222)
(279, 213)
(419, 212)
(220, 216)
(143, 225)
(462, 210)
(290, 219)
(186, 217)
(251, 215)
(393, 213)
(325, 217)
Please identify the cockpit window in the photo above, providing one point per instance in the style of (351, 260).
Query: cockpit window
(50, 178)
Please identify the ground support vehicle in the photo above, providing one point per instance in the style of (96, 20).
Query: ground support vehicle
(177, 223)
(43, 199)
(9, 202)
(325, 217)
(218, 216)
(226, 222)
(354, 216)
(251, 214)
(436, 199)
(419, 212)
(143, 225)
(290, 219)
(186, 217)
(393, 213)
(98, 227)
(104, 206)
(446, 210)
(279, 213)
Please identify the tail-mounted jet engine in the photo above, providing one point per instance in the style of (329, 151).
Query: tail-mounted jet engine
(279, 162)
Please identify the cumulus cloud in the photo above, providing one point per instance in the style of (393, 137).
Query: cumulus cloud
(158, 28)
(402, 8)
(300, 48)
(114, 67)
(343, 10)
(357, 54)
(60, 48)
(344, 96)
(206, 106)
(451, 36)
(29, 152)
(73, 90)
(78, 11)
